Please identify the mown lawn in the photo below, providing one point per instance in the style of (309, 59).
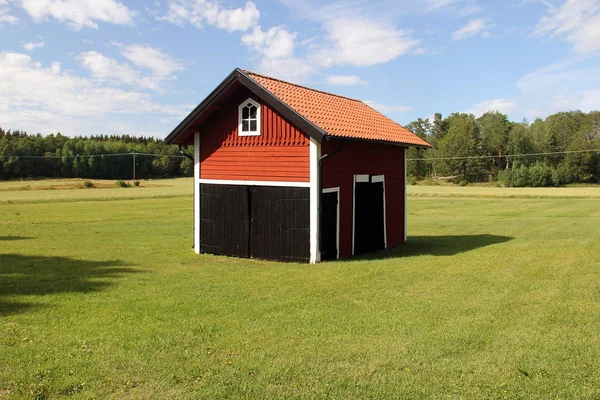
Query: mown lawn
(492, 298)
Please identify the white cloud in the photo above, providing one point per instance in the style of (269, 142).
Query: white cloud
(201, 12)
(577, 20)
(505, 106)
(291, 69)
(79, 13)
(470, 9)
(473, 28)
(46, 99)
(568, 85)
(5, 17)
(363, 42)
(387, 108)
(106, 69)
(276, 42)
(432, 5)
(345, 80)
(161, 64)
(33, 45)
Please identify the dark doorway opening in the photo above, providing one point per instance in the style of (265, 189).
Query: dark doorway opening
(329, 225)
(369, 214)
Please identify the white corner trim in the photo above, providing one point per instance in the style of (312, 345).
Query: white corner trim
(258, 118)
(315, 199)
(197, 192)
(253, 183)
(337, 228)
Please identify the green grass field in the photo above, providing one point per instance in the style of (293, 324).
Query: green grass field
(495, 296)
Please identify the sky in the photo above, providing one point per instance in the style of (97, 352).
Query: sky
(89, 67)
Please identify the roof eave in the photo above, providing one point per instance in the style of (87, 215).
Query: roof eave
(387, 142)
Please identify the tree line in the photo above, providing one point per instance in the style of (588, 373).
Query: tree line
(464, 148)
(490, 148)
(66, 157)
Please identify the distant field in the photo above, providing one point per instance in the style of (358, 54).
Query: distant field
(479, 191)
(493, 297)
(56, 190)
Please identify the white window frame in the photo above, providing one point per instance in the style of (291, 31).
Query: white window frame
(240, 107)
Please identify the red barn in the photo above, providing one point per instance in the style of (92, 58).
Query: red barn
(285, 172)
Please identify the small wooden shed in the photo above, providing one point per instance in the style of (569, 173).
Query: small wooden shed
(285, 172)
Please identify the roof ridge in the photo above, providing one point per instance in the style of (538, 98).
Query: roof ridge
(301, 86)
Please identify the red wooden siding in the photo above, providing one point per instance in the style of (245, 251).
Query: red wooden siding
(280, 153)
(357, 158)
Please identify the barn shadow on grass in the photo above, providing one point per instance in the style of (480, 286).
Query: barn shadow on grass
(436, 246)
(14, 238)
(22, 275)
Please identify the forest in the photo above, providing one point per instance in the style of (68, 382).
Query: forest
(562, 149)
(96, 157)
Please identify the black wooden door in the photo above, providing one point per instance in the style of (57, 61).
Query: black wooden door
(224, 220)
(368, 217)
(329, 224)
(279, 223)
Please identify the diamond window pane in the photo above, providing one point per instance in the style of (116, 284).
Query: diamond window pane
(245, 126)
(253, 112)
(245, 113)
(253, 125)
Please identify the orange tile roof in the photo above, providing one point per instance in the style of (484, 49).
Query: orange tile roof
(337, 115)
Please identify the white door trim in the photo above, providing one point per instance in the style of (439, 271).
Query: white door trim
(337, 228)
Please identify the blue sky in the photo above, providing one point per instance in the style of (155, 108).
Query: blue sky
(84, 67)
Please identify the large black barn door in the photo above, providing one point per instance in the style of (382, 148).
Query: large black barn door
(266, 222)
(329, 224)
(280, 223)
(368, 216)
(224, 220)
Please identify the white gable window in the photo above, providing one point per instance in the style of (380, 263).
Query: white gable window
(249, 118)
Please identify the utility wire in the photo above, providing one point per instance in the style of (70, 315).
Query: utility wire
(95, 155)
(505, 155)
(408, 159)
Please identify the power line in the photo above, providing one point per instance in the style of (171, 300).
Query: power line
(505, 155)
(94, 155)
(408, 159)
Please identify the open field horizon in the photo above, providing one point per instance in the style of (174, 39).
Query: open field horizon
(72, 189)
(494, 296)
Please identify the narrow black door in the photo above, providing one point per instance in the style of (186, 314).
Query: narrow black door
(368, 217)
(329, 226)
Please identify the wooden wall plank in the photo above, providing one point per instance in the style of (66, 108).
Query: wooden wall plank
(280, 153)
